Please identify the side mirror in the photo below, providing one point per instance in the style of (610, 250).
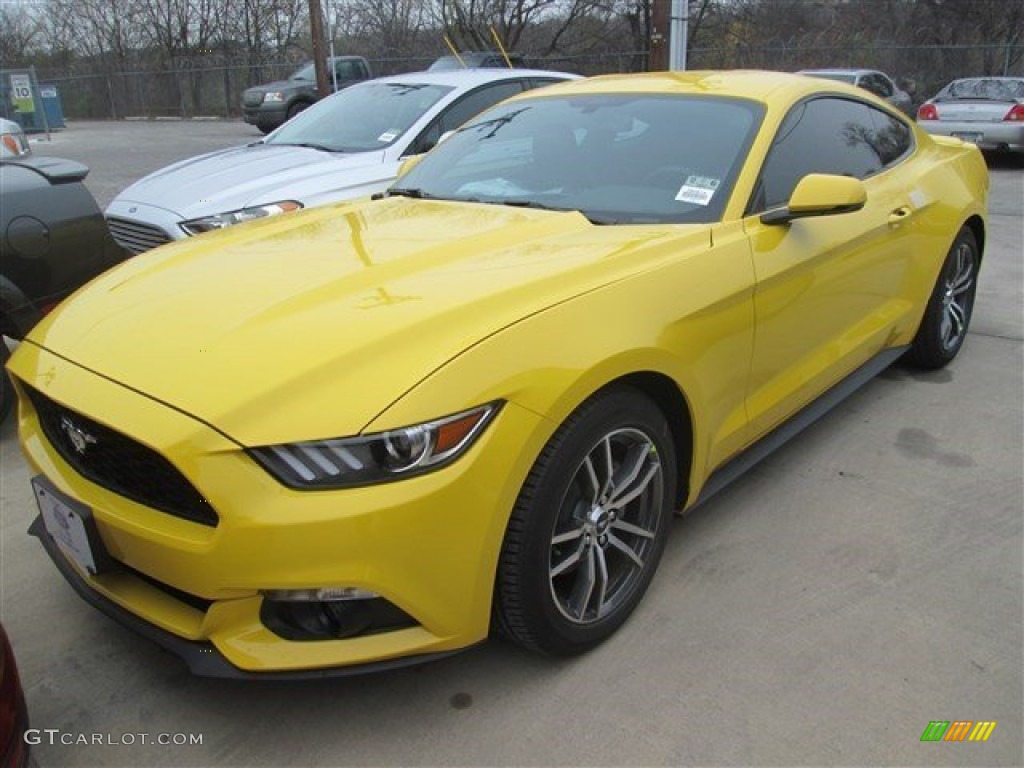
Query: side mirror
(408, 164)
(819, 194)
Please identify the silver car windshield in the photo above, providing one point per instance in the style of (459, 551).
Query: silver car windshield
(616, 158)
(361, 118)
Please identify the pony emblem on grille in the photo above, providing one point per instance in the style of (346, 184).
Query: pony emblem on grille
(80, 439)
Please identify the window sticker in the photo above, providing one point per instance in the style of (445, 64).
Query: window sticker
(698, 190)
(389, 136)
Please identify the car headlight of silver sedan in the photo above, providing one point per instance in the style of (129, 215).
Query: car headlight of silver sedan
(221, 220)
(376, 458)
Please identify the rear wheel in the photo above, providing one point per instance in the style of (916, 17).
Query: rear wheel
(948, 314)
(589, 527)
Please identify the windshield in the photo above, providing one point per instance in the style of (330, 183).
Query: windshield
(984, 88)
(616, 158)
(306, 72)
(361, 118)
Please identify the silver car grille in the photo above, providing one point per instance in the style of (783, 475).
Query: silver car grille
(135, 236)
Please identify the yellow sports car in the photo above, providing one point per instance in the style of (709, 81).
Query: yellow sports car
(368, 434)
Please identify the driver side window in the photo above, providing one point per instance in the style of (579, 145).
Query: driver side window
(823, 135)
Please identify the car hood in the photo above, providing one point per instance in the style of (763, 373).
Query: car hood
(251, 175)
(277, 85)
(309, 325)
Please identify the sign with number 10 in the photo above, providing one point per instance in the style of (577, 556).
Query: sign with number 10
(21, 88)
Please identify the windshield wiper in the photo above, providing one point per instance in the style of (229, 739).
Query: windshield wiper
(307, 145)
(520, 203)
(414, 192)
(593, 219)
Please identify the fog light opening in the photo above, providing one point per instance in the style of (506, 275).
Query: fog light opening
(329, 614)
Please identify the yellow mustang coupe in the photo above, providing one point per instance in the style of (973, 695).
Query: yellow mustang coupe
(366, 434)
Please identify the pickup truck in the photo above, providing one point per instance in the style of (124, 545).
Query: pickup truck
(268, 106)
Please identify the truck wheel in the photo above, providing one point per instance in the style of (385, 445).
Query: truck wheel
(297, 107)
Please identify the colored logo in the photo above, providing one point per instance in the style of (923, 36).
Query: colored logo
(958, 730)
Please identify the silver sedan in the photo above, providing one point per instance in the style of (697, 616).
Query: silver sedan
(345, 146)
(987, 111)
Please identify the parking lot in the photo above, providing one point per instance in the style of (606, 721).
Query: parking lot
(857, 585)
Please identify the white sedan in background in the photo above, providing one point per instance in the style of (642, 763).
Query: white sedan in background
(12, 139)
(346, 146)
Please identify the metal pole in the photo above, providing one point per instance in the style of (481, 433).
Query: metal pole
(34, 87)
(330, 43)
(678, 30)
(110, 95)
(685, 34)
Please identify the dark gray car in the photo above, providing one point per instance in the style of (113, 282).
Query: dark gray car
(54, 239)
(267, 106)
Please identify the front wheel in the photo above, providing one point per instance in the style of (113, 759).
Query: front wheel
(295, 108)
(589, 527)
(948, 314)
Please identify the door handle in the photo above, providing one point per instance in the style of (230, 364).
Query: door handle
(900, 215)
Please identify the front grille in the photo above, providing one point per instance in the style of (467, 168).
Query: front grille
(135, 236)
(120, 464)
(252, 99)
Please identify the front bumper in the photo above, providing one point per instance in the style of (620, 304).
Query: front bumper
(428, 545)
(203, 658)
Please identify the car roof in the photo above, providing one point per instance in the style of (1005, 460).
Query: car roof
(1009, 78)
(9, 126)
(754, 85)
(837, 71)
(458, 78)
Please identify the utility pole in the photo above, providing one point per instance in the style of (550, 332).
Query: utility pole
(316, 31)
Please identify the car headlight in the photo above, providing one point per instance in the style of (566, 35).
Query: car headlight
(378, 458)
(273, 96)
(221, 220)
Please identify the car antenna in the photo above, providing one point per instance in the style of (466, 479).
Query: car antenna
(455, 53)
(501, 48)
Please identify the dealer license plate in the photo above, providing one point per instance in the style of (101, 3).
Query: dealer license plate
(69, 523)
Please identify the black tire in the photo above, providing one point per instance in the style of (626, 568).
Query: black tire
(295, 108)
(948, 314)
(566, 509)
(6, 386)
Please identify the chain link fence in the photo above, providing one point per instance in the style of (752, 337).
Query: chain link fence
(212, 86)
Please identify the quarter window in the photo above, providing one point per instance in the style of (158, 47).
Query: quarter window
(837, 136)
